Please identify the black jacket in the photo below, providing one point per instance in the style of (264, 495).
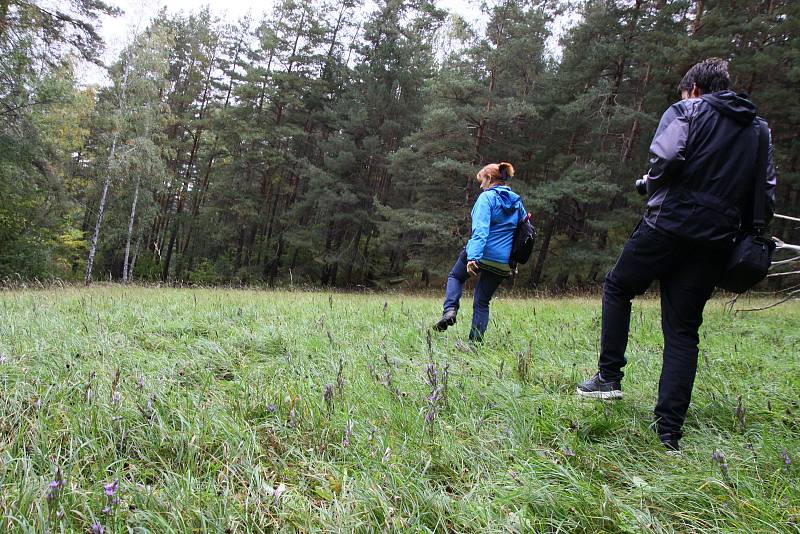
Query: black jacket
(703, 167)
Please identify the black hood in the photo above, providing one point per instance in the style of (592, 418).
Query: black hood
(728, 103)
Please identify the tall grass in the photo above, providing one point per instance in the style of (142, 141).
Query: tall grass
(221, 420)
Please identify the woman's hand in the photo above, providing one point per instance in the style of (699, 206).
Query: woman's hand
(473, 267)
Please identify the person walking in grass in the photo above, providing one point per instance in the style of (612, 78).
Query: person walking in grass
(495, 216)
(703, 160)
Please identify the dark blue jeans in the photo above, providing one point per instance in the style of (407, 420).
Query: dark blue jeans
(687, 272)
(484, 289)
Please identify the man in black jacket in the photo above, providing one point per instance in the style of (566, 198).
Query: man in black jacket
(700, 182)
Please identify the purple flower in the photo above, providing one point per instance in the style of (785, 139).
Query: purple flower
(787, 460)
(328, 395)
(55, 486)
(271, 408)
(432, 375)
(348, 432)
(111, 488)
(97, 528)
(719, 457)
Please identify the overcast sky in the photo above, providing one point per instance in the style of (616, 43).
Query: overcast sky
(117, 31)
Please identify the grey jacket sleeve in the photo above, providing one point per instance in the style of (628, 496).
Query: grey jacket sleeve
(668, 149)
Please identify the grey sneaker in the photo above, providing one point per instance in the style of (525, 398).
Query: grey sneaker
(448, 319)
(597, 388)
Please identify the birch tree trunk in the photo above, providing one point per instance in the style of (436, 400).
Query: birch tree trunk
(136, 251)
(100, 211)
(125, 271)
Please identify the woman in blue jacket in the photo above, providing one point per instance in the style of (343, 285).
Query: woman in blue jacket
(494, 219)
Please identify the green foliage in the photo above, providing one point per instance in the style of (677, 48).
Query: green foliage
(337, 142)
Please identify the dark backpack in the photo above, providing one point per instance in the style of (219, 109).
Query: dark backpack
(751, 257)
(524, 239)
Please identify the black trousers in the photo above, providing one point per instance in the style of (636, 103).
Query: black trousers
(688, 272)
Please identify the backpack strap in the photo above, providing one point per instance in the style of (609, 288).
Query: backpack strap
(759, 190)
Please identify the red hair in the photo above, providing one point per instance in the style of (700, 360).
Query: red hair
(497, 171)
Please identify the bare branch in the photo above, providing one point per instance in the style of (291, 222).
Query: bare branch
(782, 274)
(786, 218)
(782, 262)
(785, 299)
(780, 245)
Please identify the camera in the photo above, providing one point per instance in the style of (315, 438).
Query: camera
(641, 186)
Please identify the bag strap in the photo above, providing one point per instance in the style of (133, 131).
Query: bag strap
(761, 177)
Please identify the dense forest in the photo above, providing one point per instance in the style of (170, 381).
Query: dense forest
(336, 143)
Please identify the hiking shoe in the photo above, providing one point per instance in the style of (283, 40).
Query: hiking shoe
(597, 388)
(671, 443)
(448, 319)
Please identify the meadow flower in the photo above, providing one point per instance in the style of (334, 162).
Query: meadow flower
(348, 432)
(112, 499)
(433, 378)
(739, 413)
(340, 375)
(97, 528)
(328, 396)
(444, 378)
(433, 402)
(111, 488)
(719, 457)
(140, 382)
(55, 487)
(787, 460)
(116, 396)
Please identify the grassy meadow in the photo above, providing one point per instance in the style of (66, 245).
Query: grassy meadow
(253, 411)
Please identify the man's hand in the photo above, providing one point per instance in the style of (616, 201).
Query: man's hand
(473, 268)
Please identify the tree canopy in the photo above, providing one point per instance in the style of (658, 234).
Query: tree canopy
(336, 143)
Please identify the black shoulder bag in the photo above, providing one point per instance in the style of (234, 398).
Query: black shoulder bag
(524, 239)
(752, 254)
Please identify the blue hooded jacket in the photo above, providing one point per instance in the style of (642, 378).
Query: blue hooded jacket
(495, 216)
